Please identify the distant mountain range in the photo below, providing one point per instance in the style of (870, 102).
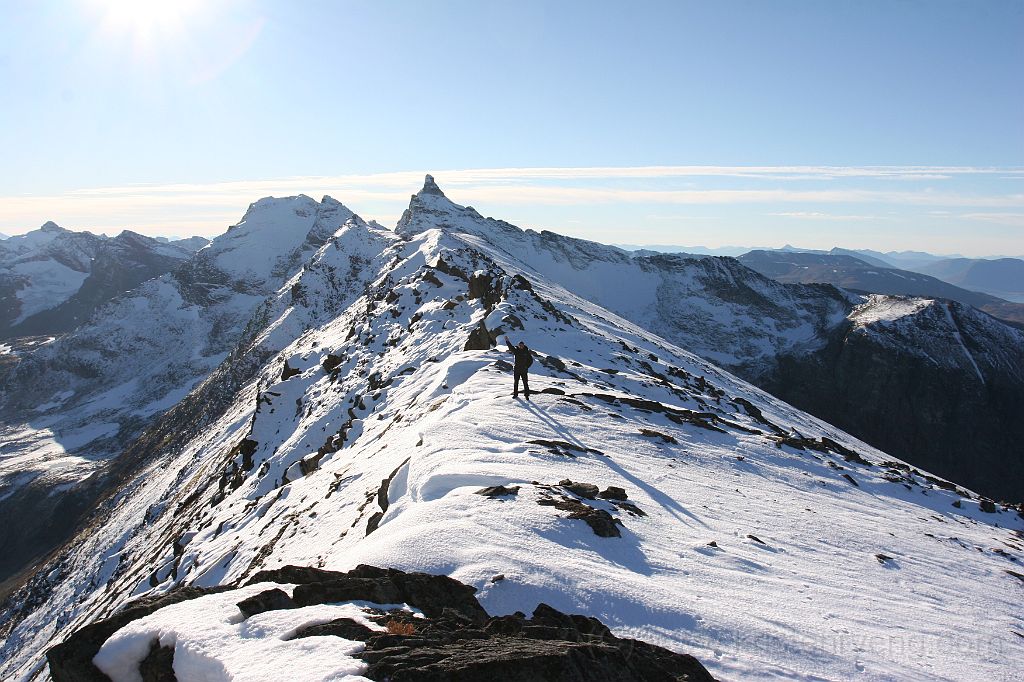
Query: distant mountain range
(855, 273)
(1002, 277)
(53, 279)
(999, 276)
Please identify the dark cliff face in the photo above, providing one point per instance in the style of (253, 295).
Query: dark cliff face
(962, 424)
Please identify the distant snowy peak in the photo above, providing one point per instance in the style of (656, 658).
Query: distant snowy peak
(20, 244)
(946, 333)
(274, 236)
(881, 309)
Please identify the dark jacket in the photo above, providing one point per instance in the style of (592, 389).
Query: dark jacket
(523, 358)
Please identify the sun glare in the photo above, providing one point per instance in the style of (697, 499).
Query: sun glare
(145, 21)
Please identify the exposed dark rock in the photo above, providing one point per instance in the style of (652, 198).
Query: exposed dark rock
(825, 445)
(246, 448)
(483, 287)
(374, 521)
(756, 539)
(340, 627)
(158, 665)
(629, 508)
(513, 321)
(288, 372)
(705, 420)
(613, 493)
(552, 362)
(585, 490)
(479, 338)
(430, 187)
(295, 575)
(552, 391)
(756, 414)
(311, 463)
(520, 282)
(601, 522)
(498, 491)
(549, 646)
(382, 498)
(449, 269)
(429, 276)
(331, 362)
(987, 506)
(432, 594)
(651, 433)
(882, 558)
(561, 447)
(851, 479)
(269, 600)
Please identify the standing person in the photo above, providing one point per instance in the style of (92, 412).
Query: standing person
(523, 361)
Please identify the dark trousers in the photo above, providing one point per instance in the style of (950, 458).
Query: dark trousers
(518, 374)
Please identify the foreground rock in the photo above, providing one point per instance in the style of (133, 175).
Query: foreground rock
(455, 640)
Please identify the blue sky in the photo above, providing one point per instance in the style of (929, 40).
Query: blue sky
(689, 123)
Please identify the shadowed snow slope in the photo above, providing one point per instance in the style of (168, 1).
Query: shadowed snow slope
(763, 541)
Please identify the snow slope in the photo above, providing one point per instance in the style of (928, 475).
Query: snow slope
(806, 343)
(766, 543)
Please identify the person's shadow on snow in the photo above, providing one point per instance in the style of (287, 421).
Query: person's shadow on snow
(667, 502)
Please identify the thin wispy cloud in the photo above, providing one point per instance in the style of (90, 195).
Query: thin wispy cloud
(818, 215)
(735, 197)
(1011, 219)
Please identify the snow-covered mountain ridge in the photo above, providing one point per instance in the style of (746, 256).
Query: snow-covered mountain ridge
(931, 387)
(52, 279)
(364, 408)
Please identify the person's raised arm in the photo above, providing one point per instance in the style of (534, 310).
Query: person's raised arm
(508, 343)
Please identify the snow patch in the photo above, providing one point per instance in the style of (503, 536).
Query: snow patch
(213, 642)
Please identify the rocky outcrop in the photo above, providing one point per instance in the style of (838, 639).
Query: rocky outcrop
(71, 660)
(548, 646)
(456, 641)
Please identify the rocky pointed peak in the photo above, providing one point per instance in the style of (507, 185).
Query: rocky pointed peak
(430, 187)
(50, 226)
(430, 209)
(329, 202)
